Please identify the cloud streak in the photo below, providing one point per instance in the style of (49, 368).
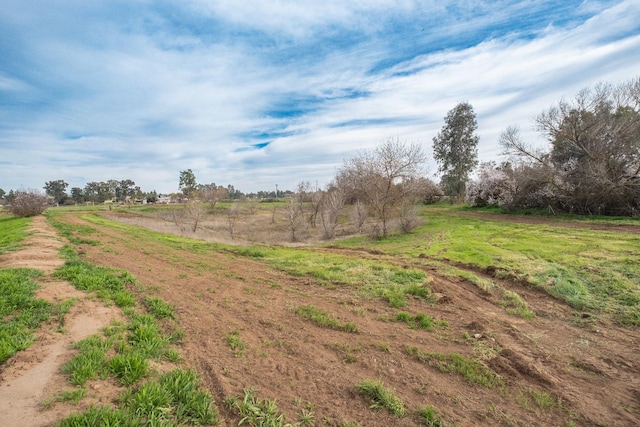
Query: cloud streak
(276, 93)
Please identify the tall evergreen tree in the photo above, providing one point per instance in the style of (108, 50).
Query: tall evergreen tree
(456, 149)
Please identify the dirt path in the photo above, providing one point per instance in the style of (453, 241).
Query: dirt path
(32, 376)
(590, 372)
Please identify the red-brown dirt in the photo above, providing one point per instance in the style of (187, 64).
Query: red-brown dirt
(590, 368)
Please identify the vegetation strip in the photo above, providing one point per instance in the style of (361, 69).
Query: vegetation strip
(20, 312)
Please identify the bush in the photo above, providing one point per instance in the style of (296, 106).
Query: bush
(28, 203)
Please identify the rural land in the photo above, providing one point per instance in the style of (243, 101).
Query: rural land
(125, 316)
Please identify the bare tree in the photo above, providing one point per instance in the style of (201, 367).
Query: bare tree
(384, 178)
(195, 212)
(212, 194)
(233, 215)
(332, 202)
(359, 215)
(294, 215)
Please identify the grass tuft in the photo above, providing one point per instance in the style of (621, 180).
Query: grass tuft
(381, 396)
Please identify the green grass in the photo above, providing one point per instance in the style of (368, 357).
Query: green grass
(77, 234)
(20, 312)
(172, 399)
(237, 345)
(417, 321)
(591, 270)
(324, 319)
(159, 308)
(109, 284)
(255, 411)
(472, 370)
(381, 396)
(429, 417)
(14, 231)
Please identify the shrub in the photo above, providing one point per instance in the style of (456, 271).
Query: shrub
(28, 203)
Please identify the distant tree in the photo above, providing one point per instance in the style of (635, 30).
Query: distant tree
(212, 194)
(98, 192)
(384, 178)
(330, 205)
(57, 190)
(28, 203)
(152, 196)
(195, 212)
(125, 189)
(233, 215)
(2, 193)
(77, 195)
(455, 149)
(294, 215)
(187, 182)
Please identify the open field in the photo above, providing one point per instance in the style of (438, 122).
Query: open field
(470, 320)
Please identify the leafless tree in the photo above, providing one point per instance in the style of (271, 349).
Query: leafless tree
(331, 203)
(212, 194)
(294, 215)
(195, 212)
(383, 178)
(233, 215)
(359, 215)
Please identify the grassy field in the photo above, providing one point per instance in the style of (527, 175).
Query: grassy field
(339, 297)
(592, 270)
(14, 230)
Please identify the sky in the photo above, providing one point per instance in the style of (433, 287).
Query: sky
(274, 92)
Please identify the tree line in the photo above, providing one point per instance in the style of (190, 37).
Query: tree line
(591, 166)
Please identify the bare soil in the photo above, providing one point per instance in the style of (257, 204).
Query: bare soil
(590, 367)
(32, 377)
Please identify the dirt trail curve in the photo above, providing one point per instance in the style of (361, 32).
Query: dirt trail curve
(32, 376)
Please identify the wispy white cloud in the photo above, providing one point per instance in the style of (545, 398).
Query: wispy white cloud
(275, 92)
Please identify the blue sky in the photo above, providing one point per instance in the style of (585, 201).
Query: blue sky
(267, 92)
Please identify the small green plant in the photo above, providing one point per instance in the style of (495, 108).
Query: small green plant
(429, 416)
(514, 304)
(109, 284)
(129, 367)
(159, 308)
(324, 319)
(544, 400)
(237, 345)
(381, 396)
(472, 370)
(418, 321)
(255, 411)
(89, 364)
(146, 337)
(306, 417)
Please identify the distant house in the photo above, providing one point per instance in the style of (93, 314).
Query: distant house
(163, 199)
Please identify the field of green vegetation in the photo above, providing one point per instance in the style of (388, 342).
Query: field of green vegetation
(592, 270)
